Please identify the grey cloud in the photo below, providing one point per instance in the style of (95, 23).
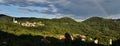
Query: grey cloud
(1, 9)
(113, 7)
(80, 8)
(76, 8)
(24, 3)
(46, 11)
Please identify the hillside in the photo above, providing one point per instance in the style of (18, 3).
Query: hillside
(118, 19)
(104, 29)
(101, 24)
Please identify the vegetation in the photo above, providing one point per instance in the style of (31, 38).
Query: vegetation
(103, 29)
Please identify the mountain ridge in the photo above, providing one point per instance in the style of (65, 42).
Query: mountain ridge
(92, 27)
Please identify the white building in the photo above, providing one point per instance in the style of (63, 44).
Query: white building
(96, 41)
(110, 41)
(14, 21)
(83, 37)
(28, 24)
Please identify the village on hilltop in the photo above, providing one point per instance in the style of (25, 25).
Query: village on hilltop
(28, 24)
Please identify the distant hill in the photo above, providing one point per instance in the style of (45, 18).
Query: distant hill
(104, 29)
(117, 19)
(109, 23)
(5, 18)
(105, 26)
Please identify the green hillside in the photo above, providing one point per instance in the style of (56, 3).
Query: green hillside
(104, 29)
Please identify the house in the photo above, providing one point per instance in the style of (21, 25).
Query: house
(28, 24)
(96, 41)
(62, 37)
(83, 37)
(110, 41)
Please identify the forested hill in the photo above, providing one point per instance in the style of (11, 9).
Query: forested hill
(104, 29)
(117, 19)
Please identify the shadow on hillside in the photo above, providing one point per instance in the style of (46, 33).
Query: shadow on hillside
(7, 39)
(116, 43)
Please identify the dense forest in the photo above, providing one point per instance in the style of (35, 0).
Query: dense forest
(28, 31)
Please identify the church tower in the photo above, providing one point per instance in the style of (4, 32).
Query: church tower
(14, 21)
(110, 41)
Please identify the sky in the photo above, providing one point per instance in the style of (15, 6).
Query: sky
(76, 9)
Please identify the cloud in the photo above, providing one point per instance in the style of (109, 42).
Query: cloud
(1, 0)
(116, 16)
(1, 9)
(111, 6)
(73, 8)
(40, 10)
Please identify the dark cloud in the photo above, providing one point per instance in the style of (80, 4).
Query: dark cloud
(112, 6)
(45, 11)
(76, 8)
